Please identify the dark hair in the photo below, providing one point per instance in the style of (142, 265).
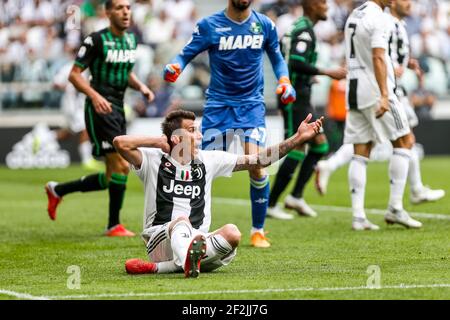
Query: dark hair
(173, 122)
(108, 4)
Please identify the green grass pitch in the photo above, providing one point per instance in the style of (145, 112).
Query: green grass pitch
(317, 258)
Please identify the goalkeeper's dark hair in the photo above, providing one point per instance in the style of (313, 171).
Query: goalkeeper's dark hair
(173, 122)
(108, 4)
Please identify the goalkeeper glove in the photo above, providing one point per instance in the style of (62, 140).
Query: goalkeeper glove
(286, 90)
(172, 72)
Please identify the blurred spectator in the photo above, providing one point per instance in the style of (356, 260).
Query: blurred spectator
(178, 10)
(277, 8)
(159, 29)
(164, 102)
(336, 112)
(423, 101)
(34, 34)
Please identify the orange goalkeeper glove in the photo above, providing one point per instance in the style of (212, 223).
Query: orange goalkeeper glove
(172, 72)
(286, 90)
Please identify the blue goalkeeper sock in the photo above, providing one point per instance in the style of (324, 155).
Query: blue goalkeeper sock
(259, 195)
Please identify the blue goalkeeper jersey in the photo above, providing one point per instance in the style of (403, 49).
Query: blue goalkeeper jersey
(236, 55)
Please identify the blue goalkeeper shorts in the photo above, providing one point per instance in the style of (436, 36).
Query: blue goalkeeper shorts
(221, 124)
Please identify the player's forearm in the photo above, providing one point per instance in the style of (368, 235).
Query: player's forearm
(82, 85)
(134, 82)
(130, 143)
(278, 64)
(304, 68)
(269, 156)
(380, 70)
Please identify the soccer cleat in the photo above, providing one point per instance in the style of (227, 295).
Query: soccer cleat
(119, 231)
(53, 199)
(196, 251)
(360, 224)
(401, 217)
(139, 266)
(300, 206)
(259, 240)
(323, 174)
(277, 213)
(426, 194)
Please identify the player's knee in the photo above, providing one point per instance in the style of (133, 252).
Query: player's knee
(405, 142)
(257, 173)
(320, 139)
(320, 145)
(120, 166)
(180, 220)
(232, 234)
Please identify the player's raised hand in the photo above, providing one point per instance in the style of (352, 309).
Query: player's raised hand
(163, 144)
(307, 130)
(101, 105)
(286, 90)
(172, 72)
(147, 93)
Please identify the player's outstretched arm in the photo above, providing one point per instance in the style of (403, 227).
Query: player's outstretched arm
(265, 158)
(101, 105)
(128, 145)
(199, 42)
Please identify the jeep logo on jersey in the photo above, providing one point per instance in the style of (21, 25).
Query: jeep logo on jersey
(124, 56)
(189, 191)
(241, 42)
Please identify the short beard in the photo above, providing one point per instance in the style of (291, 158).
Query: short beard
(240, 7)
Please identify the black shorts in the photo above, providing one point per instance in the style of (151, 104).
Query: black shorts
(103, 128)
(295, 113)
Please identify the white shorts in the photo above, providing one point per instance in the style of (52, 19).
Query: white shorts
(159, 248)
(413, 120)
(362, 126)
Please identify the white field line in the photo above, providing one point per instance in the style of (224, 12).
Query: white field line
(262, 291)
(244, 202)
(19, 295)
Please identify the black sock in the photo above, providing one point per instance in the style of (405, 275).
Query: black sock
(306, 171)
(84, 184)
(284, 176)
(117, 187)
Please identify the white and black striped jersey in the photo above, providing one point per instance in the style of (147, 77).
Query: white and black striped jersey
(172, 190)
(399, 44)
(368, 27)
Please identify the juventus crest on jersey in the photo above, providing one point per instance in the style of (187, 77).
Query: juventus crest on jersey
(367, 27)
(173, 190)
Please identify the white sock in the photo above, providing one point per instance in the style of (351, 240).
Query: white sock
(414, 175)
(357, 172)
(257, 230)
(398, 172)
(85, 151)
(216, 246)
(341, 157)
(168, 267)
(180, 239)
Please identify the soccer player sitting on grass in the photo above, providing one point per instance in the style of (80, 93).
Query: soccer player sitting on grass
(177, 178)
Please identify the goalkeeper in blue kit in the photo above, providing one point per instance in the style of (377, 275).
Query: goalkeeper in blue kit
(236, 39)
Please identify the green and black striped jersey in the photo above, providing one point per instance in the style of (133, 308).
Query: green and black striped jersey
(299, 45)
(110, 60)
